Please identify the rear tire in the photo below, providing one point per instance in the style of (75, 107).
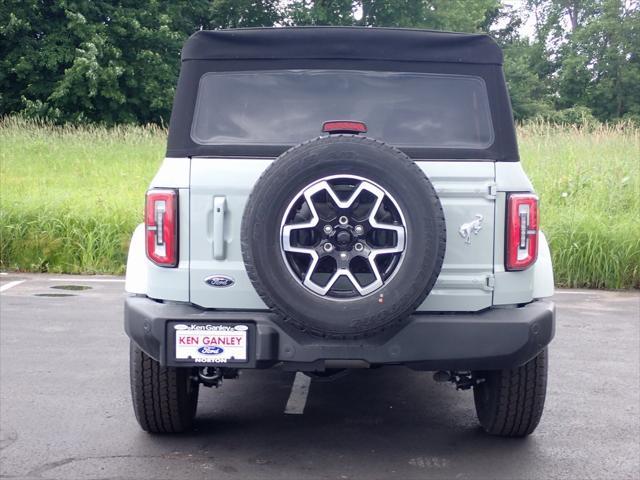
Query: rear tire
(164, 398)
(509, 403)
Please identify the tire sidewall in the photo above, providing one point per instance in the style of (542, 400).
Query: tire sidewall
(384, 166)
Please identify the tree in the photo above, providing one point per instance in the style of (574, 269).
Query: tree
(530, 93)
(243, 13)
(594, 47)
(454, 15)
(526, 66)
(105, 61)
(320, 12)
(114, 61)
(599, 65)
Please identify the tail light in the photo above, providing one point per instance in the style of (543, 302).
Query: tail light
(522, 231)
(161, 223)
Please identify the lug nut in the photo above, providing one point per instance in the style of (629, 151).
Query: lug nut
(327, 247)
(358, 230)
(358, 247)
(327, 229)
(343, 220)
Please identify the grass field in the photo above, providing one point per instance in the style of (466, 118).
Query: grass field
(70, 197)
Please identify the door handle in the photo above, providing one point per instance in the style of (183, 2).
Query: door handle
(219, 209)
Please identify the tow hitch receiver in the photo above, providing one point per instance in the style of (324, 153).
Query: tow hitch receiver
(213, 376)
(462, 380)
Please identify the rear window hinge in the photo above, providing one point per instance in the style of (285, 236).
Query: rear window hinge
(490, 282)
(493, 191)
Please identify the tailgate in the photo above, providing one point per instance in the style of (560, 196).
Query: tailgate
(219, 191)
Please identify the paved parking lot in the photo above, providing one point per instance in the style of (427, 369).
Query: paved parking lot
(65, 409)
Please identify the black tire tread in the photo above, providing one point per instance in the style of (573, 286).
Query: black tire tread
(158, 403)
(280, 168)
(518, 398)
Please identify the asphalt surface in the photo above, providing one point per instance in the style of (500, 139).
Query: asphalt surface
(65, 408)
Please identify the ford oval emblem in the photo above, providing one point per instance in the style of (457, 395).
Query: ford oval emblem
(220, 281)
(211, 350)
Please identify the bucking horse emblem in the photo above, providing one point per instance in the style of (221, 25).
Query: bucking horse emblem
(472, 227)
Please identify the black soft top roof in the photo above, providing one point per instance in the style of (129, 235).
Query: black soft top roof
(359, 43)
(340, 48)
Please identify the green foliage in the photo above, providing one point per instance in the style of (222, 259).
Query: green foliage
(72, 196)
(89, 61)
(326, 12)
(530, 94)
(243, 13)
(112, 62)
(103, 61)
(595, 47)
(588, 180)
(453, 15)
(600, 66)
(578, 116)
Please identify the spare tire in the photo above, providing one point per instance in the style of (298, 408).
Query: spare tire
(343, 236)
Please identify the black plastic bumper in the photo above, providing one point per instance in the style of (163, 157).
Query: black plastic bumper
(493, 339)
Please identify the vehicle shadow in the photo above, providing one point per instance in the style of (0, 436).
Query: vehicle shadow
(390, 419)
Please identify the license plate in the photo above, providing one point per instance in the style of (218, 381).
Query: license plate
(204, 343)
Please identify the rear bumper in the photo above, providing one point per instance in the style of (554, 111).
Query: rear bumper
(497, 338)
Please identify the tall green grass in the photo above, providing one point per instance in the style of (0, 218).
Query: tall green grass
(70, 197)
(589, 183)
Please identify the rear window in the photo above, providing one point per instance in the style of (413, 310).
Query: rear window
(286, 107)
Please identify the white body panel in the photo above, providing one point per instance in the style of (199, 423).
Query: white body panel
(514, 288)
(214, 191)
(136, 276)
(143, 276)
(464, 189)
(173, 173)
(232, 180)
(543, 284)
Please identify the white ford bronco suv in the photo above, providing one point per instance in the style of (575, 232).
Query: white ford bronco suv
(336, 198)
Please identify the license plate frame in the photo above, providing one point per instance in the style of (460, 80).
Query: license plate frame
(212, 358)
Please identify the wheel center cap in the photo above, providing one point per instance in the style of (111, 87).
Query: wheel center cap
(343, 238)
